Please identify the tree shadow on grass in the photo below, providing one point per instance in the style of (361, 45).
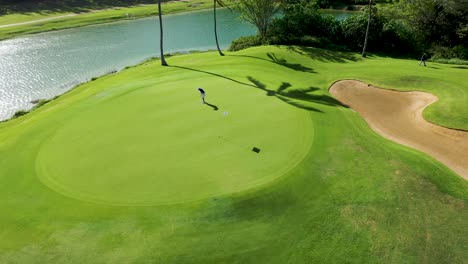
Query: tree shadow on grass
(281, 61)
(213, 74)
(285, 63)
(298, 97)
(324, 55)
(461, 67)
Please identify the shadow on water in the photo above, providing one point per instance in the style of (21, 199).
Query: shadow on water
(298, 97)
(280, 61)
(212, 106)
(324, 55)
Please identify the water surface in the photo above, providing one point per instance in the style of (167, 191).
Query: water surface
(44, 65)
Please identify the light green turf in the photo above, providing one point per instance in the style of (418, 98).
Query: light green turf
(80, 177)
(62, 21)
(168, 146)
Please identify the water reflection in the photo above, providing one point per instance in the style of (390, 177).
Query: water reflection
(45, 65)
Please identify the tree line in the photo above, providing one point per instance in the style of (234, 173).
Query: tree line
(404, 27)
(395, 27)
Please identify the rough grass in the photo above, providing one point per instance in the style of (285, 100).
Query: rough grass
(354, 198)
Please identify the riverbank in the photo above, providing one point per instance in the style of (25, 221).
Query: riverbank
(41, 66)
(13, 25)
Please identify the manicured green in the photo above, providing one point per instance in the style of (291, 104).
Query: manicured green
(90, 18)
(132, 168)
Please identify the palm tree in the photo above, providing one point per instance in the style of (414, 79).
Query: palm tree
(367, 30)
(221, 3)
(163, 61)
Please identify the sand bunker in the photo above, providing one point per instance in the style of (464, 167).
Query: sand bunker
(398, 116)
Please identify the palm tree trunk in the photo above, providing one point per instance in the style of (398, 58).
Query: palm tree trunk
(163, 61)
(367, 30)
(215, 30)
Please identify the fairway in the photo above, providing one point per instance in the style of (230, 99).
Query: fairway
(158, 144)
(132, 168)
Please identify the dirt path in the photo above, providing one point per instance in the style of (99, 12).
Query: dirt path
(77, 14)
(35, 21)
(56, 17)
(398, 117)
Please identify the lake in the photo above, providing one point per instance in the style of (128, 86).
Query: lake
(44, 65)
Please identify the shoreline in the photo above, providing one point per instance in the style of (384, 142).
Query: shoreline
(38, 103)
(26, 105)
(98, 17)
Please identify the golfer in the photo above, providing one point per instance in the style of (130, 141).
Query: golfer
(202, 93)
(423, 59)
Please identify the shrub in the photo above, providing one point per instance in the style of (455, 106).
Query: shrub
(441, 52)
(245, 42)
(301, 24)
(20, 113)
(41, 102)
(449, 61)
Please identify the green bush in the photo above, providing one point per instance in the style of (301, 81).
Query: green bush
(447, 53)
(301, 20)
(20, 113)
(40, 103)
(449, 61)
(245, 42)
(304, 24)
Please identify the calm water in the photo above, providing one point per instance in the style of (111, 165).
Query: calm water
(339, 14)
(44, 65)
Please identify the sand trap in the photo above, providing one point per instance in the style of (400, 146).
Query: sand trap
(398, 116)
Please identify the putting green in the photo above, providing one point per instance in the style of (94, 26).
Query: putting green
(157, 144)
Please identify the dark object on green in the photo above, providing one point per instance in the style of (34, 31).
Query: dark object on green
(256, 150)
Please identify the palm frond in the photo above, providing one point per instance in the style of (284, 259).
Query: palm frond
(222, 4)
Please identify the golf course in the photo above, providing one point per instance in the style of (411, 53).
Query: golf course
(132, 167)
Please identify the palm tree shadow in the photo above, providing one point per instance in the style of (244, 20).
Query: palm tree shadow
(212, 106)
(285, 63)
(214, 74)
(280, 61)
(298, 98)
(324, 55)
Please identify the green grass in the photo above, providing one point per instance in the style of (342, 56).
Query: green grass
(90, 18)
(131, 168)
(27, 17)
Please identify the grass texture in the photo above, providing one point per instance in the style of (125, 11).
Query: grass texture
(132, 168)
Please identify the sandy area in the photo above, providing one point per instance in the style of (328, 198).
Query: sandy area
(398, 117)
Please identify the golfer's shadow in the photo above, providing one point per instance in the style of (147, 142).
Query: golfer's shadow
(212, 106)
